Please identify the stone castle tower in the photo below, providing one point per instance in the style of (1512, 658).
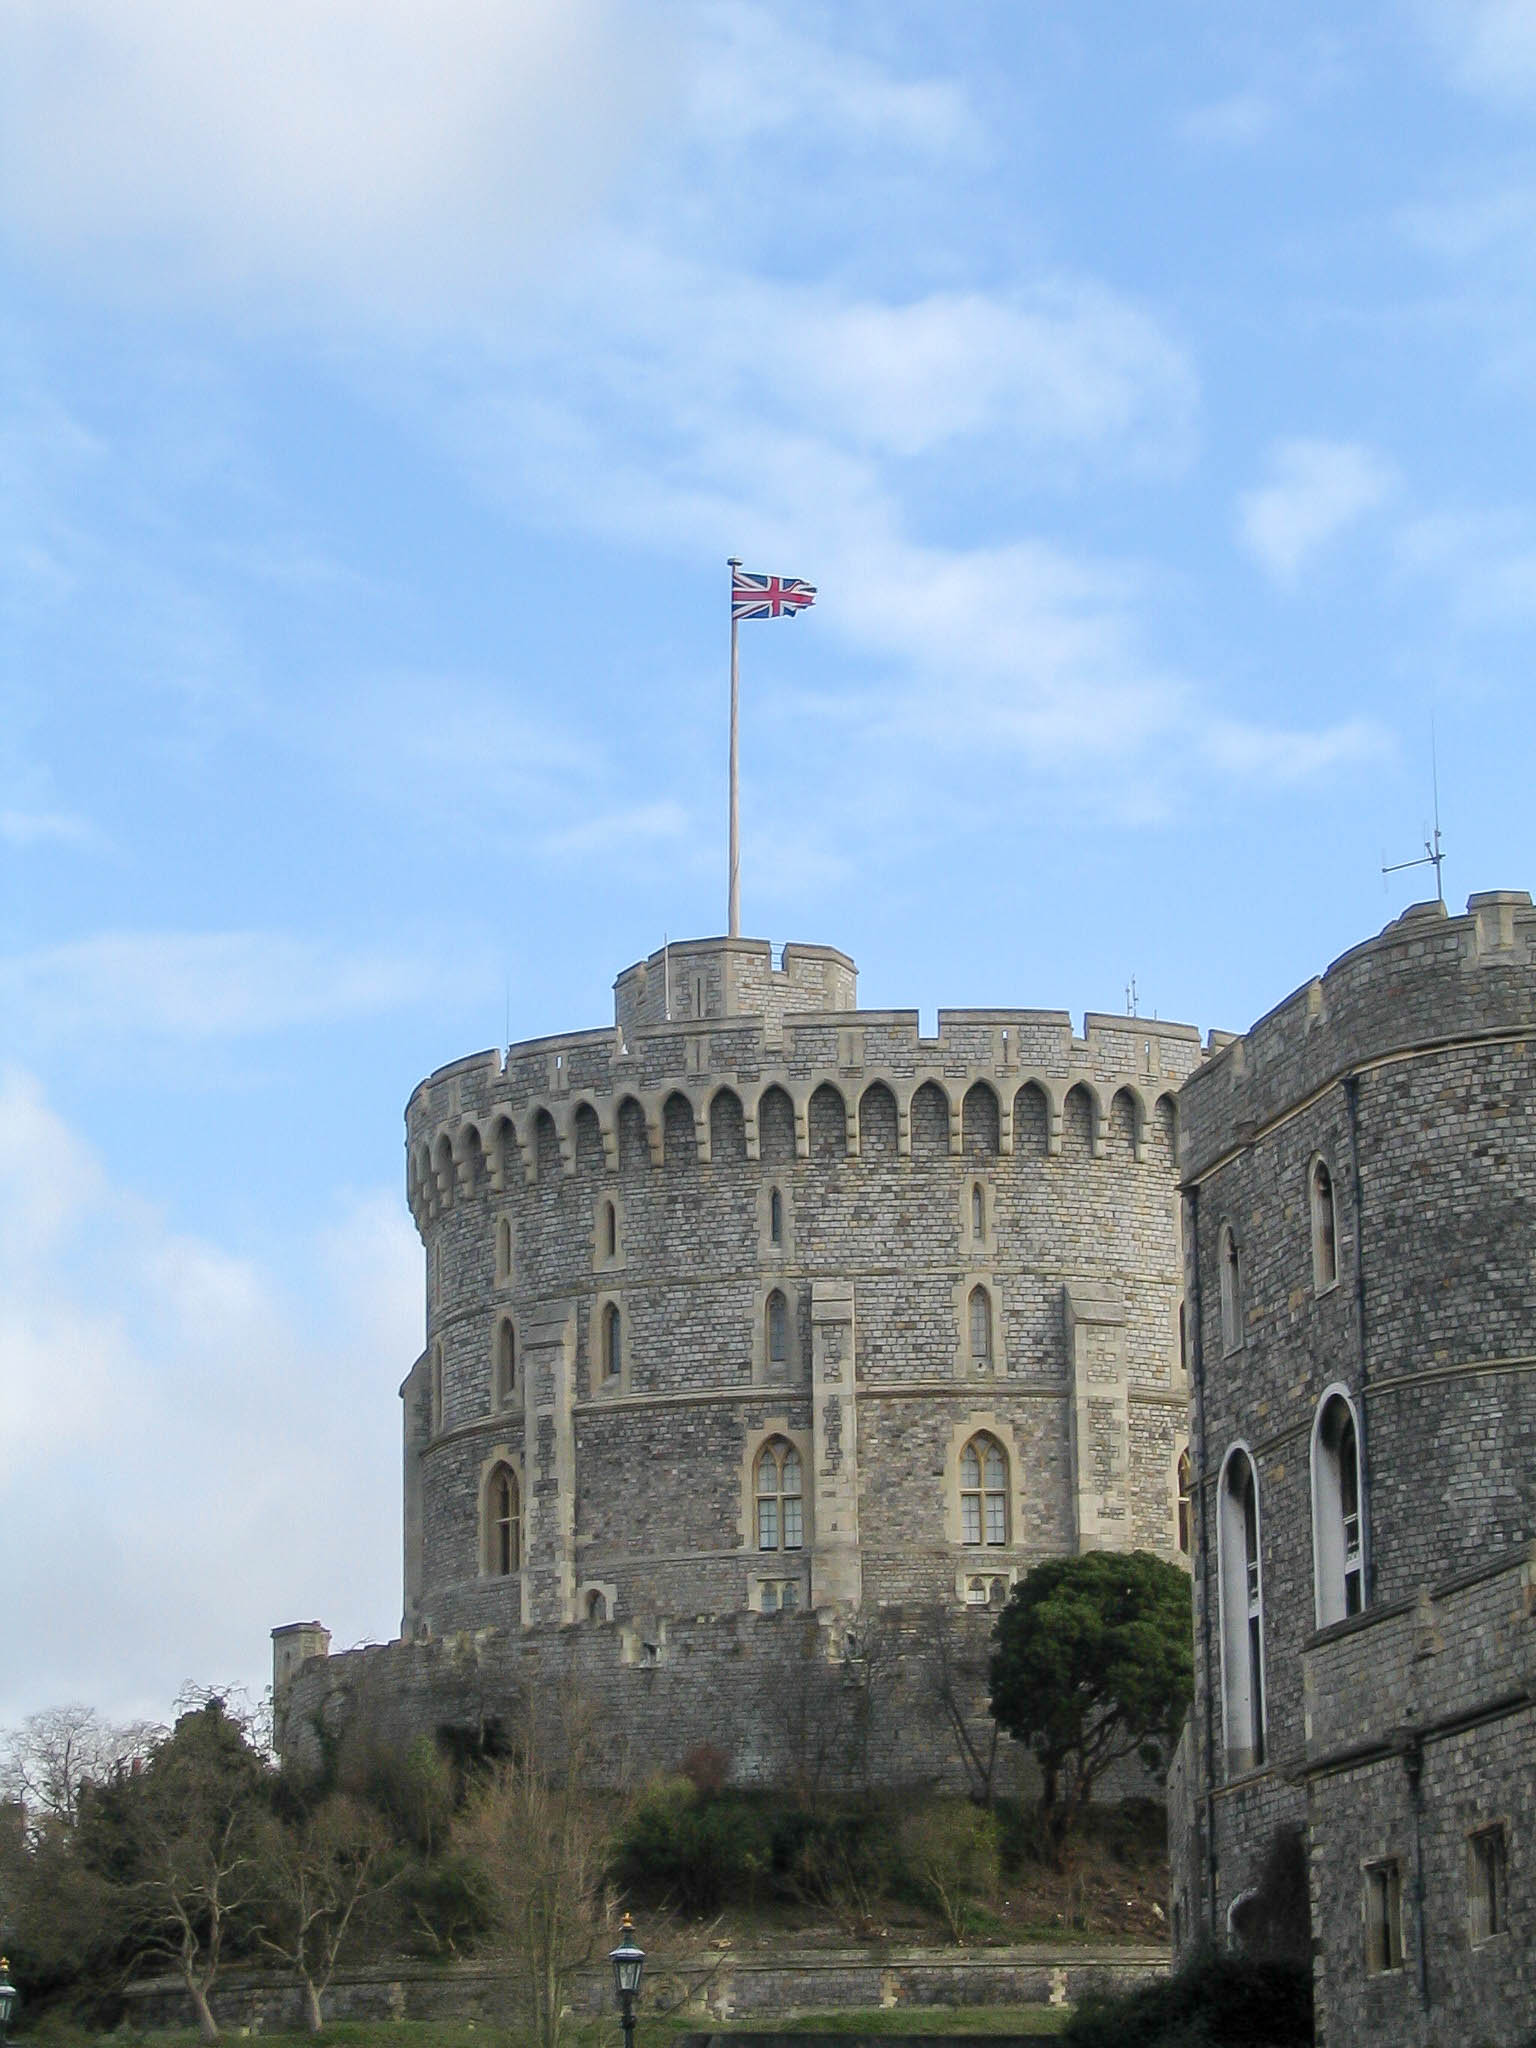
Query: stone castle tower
(1360, 1187)
(755, 1304)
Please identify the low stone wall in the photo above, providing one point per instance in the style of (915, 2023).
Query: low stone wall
(726, 1990)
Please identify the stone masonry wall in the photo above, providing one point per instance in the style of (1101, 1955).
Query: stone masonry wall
(1422, 1730)
(1407, 1071)
(732, 1988)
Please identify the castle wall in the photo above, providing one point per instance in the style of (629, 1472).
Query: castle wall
(1423, 1731)
(790, 1699)
(1406, 1070)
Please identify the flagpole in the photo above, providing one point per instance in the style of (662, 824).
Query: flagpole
(734, 911)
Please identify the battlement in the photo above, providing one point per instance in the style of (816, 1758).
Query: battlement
(484, 1112)
(1427, 979)
(698, 979)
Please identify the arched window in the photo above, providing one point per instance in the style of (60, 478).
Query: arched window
(1186, 1505)
(613, 1351)
(503, 1251)
(983, 1491)
(1338, 1556)
(778, 1334)
(1231, 1292)
(776, 1218)
(506, 1363)
(980, 1330)
(610, 1231)
(597, 1607)
(504, 1513)
(1325, 1243)
(1242, 1614)
(436, 1397)
(978, 1214)
(780, 1496)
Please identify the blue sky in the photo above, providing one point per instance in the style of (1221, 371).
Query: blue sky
(1150, 393)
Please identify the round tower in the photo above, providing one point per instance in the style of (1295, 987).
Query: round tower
(759, 1301)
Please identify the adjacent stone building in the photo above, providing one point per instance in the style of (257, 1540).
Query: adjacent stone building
(1359, 1178)
(755, 1320)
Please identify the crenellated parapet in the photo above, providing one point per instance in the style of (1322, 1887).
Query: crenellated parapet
(475, 1125)
(1427, 979)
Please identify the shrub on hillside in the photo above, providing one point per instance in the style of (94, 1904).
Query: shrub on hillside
(696, 1851)
(949, 1851)
(1215, 2001)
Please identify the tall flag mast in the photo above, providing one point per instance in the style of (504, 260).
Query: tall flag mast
(752, 597)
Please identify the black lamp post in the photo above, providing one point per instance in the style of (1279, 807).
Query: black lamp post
(628, 1961)
(7, 1998)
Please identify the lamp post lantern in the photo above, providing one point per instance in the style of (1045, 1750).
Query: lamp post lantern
(628, 1961)
(7, 1998)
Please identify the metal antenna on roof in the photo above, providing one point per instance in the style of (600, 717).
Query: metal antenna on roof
(1433, 855)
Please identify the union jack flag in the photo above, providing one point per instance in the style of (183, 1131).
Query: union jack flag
(768, 597)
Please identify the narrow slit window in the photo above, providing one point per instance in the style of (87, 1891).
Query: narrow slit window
(1186, 1505)
(978, 1214)
(612, 1342)
(506, 1364)
(1337, 1536)
(1383, 1918)
(1325, 1246)
(778, 1333)
(1487, 1910)
(776, 1217)
(1242, 1615)
(503, 1251)
(1231, 1293)
(610, 1231)
(981, 1329)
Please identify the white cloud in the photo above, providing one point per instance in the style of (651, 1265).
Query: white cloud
(1487, 560)
(195, 1449)
(1237, 122)
(1264, 754)
(370, 148)
(643, 825)
(196, 985)
(758, 71)
(1070, 363)
(1475, 226)
(46, 828)
(1316, 490)
(712, 373)
(1489, 45)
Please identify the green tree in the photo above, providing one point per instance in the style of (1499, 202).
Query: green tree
(1092, 1663)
